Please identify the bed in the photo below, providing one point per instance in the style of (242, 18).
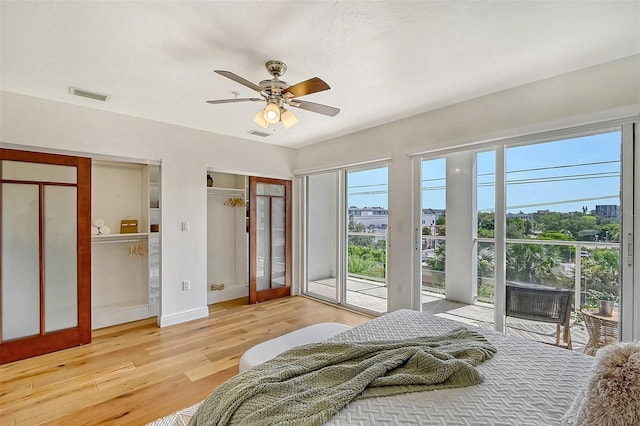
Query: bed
(525, 383)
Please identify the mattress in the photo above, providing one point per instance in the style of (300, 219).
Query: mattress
(525, 383)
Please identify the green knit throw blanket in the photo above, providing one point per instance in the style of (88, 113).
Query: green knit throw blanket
(308, 384)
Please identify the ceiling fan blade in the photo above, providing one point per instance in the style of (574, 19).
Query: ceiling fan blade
(240, 80)
(313, 85)
(313, 107)
(226, 101)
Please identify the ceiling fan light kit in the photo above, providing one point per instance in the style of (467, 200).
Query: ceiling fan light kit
(272, 113)
(259, 119)
(288, 119)
(277, 94)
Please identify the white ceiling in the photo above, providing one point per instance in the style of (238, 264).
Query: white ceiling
(384, 60)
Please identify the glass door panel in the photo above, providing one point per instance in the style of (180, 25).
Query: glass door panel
(485, 214)
(60, 248)
(270, 239)
(263, 239)
(20, 261)
(45, 278)
(433, 222)
(368, 221)
(322, 235)
(567, 194)
(278, 251)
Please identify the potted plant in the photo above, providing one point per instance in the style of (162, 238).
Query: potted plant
(604, 301)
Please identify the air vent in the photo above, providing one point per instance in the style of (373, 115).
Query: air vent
(86, 94)
(259, 133)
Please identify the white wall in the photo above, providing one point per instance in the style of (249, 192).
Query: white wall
(185, 155)
(603, 92)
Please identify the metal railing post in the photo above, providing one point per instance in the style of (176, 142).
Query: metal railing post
(578, 278)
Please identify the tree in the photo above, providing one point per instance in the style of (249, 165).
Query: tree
(486, 225)
(359, 240)
(485, 270)
(609, 232)
(426, 230)
(441, 226)
(532, 263)
(564, 252)
(600, 270)
(516, 228)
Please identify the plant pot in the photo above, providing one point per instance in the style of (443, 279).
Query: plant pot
(606, 307)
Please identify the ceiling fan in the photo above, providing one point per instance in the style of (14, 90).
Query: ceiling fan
(277, 94)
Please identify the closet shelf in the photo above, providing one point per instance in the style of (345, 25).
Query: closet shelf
(220, 190)
(119, 237)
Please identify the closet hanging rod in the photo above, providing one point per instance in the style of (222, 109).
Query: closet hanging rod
(130, 240)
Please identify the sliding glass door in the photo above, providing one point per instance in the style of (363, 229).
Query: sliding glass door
(551, 212)
(346, 237)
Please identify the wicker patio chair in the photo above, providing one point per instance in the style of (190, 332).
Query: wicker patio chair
(543, 304)
(602, 331)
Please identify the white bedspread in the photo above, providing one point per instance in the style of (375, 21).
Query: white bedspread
(526, 383)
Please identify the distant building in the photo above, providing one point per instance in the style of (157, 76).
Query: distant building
(608, 210)
(377, 217)
(523, 216)
(429, 218)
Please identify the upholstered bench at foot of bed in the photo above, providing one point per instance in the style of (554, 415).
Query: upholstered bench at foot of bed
(271, 348)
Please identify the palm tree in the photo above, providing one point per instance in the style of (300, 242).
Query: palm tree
(531, 263)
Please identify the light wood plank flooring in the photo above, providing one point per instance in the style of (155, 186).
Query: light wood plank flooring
(137, 372)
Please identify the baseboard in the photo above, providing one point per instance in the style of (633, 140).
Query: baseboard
(180, 317)
(230, 293)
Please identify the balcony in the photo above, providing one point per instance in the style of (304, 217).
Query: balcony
(582, 272)
(595, 268)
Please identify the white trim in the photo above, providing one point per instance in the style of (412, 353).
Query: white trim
(636, 282)
(372, 159)
(523, 136)
(631, 312)
(416, 270)
(629, 249)
(93, 156)
(500, 247)
(342, 249)
(248, 174)
(180, 317)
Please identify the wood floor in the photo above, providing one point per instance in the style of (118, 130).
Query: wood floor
(136, 373)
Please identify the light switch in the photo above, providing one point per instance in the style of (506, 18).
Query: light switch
(185, 226)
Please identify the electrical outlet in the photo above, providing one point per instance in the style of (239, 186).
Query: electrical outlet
(214, 287)
(186, 285)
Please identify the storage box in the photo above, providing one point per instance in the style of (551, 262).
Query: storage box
(128, 226)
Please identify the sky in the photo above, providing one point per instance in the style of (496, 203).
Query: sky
(560, 176)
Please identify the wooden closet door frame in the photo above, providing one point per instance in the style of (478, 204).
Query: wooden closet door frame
(46, 342)
(256, 296)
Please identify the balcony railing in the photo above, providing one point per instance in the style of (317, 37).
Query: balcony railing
(367, 256)
(568, 271)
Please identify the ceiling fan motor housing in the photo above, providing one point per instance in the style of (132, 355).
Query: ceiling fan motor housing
(274, 87)
(276, 68)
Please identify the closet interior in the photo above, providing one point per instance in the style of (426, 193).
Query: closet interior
(227, 237)
(125, 263)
